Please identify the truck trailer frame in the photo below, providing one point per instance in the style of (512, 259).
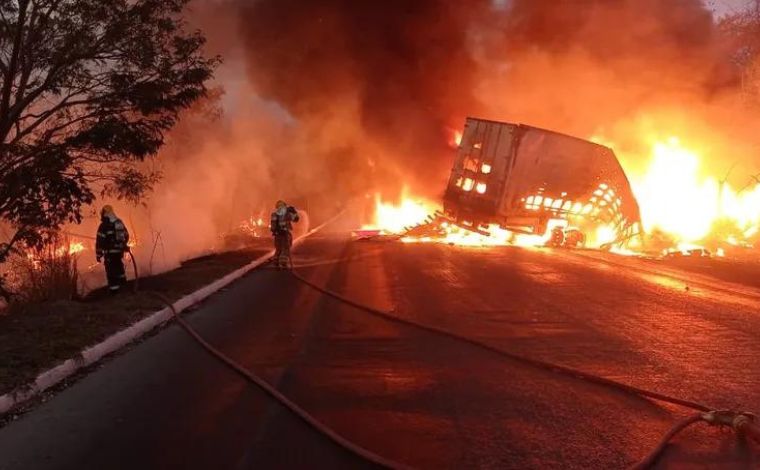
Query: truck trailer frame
(520, 177)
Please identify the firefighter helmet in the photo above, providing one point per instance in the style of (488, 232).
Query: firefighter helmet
(106, 210)
(280, 203)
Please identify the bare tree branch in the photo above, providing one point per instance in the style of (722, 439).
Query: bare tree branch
(10, 74)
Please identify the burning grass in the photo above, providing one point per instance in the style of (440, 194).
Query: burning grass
(48, 274)
(42, 274)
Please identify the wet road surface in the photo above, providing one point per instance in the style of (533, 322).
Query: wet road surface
(412, 396)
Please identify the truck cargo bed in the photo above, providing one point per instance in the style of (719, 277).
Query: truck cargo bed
(520, 177)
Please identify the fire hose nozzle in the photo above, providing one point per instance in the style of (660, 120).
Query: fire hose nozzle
(720, 417)
(743, 419)
(745, 424)
(741, 422)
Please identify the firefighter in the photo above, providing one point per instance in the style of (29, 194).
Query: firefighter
(281, 226)
(112, 243)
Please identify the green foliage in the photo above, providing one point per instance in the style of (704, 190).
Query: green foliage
(88, 89)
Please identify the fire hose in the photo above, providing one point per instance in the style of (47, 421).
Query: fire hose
(309, 419)
(743, 423)
(136, 285)
(357, 450)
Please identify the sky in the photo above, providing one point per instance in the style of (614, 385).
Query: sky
(723, 7)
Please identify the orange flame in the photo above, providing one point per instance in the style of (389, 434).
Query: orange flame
(74, 248)
(673, 194)
(36, 257)
(676, 197)
(455, 138)
(392, 218)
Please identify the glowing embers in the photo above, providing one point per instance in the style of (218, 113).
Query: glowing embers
(561, 204)
(471, 165)
(439, 229)
(606, 205)
(687, 249)
(605, 196)
(603, 209)
(485, 168)
(602, 201)
(468, 184)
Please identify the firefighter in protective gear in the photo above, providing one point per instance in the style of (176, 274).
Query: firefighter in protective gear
(281, 226)
(112, 243)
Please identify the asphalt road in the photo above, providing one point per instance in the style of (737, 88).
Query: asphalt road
(412, 396)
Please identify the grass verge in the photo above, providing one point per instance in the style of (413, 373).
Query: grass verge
(42, 335)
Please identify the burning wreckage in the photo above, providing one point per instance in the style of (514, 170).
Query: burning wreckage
(535, 182)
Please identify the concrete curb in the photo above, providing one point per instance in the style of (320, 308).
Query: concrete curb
(118, 340)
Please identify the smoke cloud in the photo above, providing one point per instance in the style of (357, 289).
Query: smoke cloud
(329, 99)
(383, 81)
(620, 68)
(390, 76)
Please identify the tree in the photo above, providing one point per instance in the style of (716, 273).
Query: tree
(88, 89)
(742, 28)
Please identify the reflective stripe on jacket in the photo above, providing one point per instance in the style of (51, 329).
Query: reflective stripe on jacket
(113, 236)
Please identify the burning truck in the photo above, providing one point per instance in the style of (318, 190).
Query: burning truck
(534, 181)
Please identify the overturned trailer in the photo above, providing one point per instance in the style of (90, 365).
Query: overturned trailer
(521, 177)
